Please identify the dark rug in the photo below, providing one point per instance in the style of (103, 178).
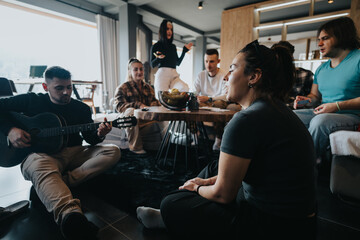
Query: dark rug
(137, 180)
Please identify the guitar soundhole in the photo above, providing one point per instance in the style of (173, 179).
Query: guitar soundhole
(34, 132)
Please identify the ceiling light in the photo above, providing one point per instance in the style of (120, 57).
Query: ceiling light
(330, 1)
(281, 5)
(317, 19)
(200, 6)
(270, 26)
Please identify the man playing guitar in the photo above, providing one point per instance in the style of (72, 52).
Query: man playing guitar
(53, 173)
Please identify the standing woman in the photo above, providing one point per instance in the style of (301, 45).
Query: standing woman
(263, 185)
(136, 94)
(164, 55)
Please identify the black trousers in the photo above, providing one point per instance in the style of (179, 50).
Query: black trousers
(188, 215)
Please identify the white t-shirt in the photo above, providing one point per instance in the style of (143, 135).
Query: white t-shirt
(214, 87)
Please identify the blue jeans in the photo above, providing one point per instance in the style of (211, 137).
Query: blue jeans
(320, 126)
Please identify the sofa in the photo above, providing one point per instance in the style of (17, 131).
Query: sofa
(345, 166)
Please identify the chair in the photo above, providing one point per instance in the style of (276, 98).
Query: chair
(12, 85)
(90, 100)
(345, 166)
(5, 88)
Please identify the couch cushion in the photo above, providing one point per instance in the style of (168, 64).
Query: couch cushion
(345, 143)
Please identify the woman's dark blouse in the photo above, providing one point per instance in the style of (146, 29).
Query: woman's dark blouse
(31, 104)
(171, 59)
(281, 176)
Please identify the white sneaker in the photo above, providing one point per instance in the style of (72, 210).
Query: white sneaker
(217, 143)
(181, 139)
(142, 151)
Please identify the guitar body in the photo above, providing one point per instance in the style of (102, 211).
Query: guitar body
(11, 156)
(48, 135)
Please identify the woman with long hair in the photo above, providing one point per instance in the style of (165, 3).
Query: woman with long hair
(164, 56)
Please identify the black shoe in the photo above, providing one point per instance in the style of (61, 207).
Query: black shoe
(76, 226)
(9, 212)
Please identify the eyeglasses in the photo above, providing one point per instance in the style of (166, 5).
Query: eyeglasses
(255, 44)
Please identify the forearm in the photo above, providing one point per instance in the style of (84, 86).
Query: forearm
(231, 172)
(185, 50)
(220, 97)
(212, 193)
(155, 103)
(122, 106)
(352, 104)
(314, 98)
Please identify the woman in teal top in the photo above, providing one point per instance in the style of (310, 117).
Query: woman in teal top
(336, 84)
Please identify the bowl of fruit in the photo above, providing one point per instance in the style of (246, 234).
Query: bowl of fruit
(174, 99)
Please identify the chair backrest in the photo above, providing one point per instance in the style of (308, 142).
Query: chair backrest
(91, 93)
(12, 85)
(5, 88)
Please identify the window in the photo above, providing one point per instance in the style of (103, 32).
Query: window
(186, 67)
(28, 38)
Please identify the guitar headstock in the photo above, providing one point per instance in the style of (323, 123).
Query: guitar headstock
(124, 122)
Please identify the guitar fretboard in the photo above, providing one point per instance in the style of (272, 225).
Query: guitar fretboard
(59, 131)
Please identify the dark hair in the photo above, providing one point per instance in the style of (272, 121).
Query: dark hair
(162, 31)
(344, 31)
(212, 51)
(277, 70)
(133, 60)
(286, 45)
(57, 72)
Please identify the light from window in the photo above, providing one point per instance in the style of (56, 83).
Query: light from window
(31, 39)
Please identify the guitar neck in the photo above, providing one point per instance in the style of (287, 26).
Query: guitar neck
(59, 131)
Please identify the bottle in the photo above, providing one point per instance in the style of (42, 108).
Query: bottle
(192, 104)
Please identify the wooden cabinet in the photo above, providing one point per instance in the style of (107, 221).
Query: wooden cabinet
(239, 26)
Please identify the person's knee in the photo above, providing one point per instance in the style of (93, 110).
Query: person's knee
(114, 152)
(319, 123)
(38, 166)
(172, 204)
(165, 204)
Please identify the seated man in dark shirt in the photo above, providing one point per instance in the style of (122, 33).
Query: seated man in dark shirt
(303, 77)
(53, 174)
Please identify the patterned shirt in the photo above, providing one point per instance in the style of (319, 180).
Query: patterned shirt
(303, 82)
(128, 95)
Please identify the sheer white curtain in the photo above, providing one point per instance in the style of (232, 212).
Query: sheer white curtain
(108, 40)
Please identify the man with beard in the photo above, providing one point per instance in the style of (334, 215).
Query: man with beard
(336, 84)
(53, 174)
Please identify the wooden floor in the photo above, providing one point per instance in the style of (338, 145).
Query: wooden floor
(336, 220)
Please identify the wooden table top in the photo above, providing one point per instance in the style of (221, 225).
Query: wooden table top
(203, 115)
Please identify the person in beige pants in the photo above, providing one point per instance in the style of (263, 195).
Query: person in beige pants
(136, 94)
(53, 174)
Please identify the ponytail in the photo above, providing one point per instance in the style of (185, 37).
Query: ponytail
(285, 74)
(278, 70)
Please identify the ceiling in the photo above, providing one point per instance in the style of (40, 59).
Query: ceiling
(190, 22)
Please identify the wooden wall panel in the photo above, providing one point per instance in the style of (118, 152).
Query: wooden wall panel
(236, 31)
(355, 13)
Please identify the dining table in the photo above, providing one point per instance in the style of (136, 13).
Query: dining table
(186, 128)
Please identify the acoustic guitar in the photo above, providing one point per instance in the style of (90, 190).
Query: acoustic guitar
(48, 133)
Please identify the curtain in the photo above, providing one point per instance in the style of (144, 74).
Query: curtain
(108, 40)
